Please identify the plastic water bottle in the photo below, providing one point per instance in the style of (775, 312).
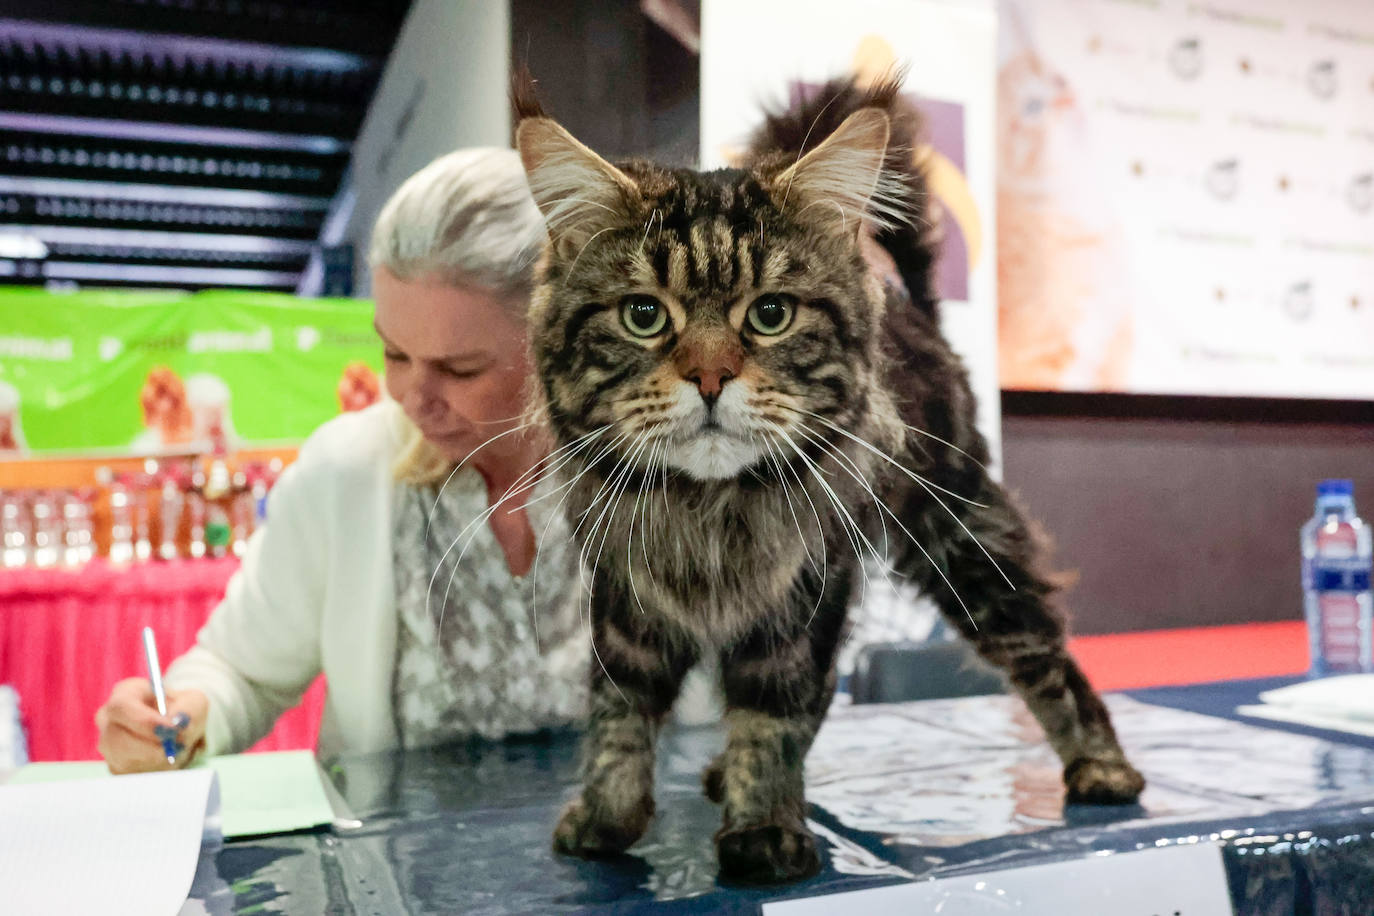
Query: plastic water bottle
(1336, 561)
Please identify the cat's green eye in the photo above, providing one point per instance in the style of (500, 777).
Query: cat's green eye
(771, 315)
(643, 316)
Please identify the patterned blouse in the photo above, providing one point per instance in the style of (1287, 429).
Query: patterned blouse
(471, 659)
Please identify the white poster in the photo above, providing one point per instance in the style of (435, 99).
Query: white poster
(759, 53)
(1186, 196)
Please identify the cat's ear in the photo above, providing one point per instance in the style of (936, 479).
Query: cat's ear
(578, 192)
(841, 180)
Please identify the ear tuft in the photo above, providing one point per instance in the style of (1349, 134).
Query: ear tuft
(578, 192)
(843, 177)
(523, 99)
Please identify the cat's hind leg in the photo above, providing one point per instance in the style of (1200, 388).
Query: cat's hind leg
(1013, 625)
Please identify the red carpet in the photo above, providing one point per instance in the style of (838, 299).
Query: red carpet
(1157, 658)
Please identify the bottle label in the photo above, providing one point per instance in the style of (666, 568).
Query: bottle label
(217, 534)
(1338, 574)
(1340, 632)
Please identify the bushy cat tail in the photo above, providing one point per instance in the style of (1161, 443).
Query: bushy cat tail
(800, 127)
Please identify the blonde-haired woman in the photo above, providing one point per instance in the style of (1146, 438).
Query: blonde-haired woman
(356, 573)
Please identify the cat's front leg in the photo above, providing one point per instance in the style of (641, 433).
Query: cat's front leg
(763, 836)
(636, 672)
(617, 798)
(776, 691)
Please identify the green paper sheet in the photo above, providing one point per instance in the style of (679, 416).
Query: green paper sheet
(259, 793)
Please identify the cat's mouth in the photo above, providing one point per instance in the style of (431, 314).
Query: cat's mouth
(711, 452)
(709, 429)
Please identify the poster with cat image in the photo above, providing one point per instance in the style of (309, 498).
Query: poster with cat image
(149, 372)
(949, 48)
(1185, 197)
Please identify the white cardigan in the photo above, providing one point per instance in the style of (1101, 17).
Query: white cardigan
(315, 593)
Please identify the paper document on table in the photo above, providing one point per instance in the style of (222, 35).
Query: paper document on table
(125, 846)
(1187, 879)
(261, 793)
(271, 793)
(1344, 703)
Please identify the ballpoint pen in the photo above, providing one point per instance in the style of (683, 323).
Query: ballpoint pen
(166, 734)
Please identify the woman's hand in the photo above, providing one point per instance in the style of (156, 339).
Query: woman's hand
(129, 721)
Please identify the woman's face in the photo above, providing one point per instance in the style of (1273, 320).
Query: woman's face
(456, 362)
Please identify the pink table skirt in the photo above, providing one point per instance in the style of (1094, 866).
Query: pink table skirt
(67, 636)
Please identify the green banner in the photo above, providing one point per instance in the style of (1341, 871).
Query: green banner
(140, 372)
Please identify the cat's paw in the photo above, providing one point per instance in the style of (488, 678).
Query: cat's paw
(586, 831)
(713, 780)
(1093, 781)
(768, 854)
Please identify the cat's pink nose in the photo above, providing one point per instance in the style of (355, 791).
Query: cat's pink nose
(708, 360)
(710, 381)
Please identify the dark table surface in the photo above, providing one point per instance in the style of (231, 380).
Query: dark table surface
(898, 792)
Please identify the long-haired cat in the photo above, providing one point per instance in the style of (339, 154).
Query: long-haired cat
(750, 393)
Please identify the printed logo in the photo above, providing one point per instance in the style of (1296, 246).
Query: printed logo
(1223, 179)
(1298, 301)
(49, 349)
(1321, 79)
(1185, 58)
(109, 348)
(259, 341)
(307, 338)
(1360, 192)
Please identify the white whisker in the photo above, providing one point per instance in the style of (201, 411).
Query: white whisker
(847, 464)
(921, 432)
(926, 485)
(596, 498)
(573, 266)
(782, 208)
(772, 459)
(841, 459)
(623, 482)
(519, 486)
(883, 507)
(820, 529)
(459, 466)
(621, 467)
(658, 454)
(648, 224)
(851, 527)
(886, 457)
(630, 537)
(526, 482)
(581, 443)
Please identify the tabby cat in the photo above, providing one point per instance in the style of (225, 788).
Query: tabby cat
(750, 393)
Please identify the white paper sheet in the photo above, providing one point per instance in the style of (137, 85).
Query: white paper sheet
(1185, 880)
(109, 846)
(1350, 695)
(1344, 703)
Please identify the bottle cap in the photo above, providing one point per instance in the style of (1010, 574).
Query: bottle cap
(1336, 487)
